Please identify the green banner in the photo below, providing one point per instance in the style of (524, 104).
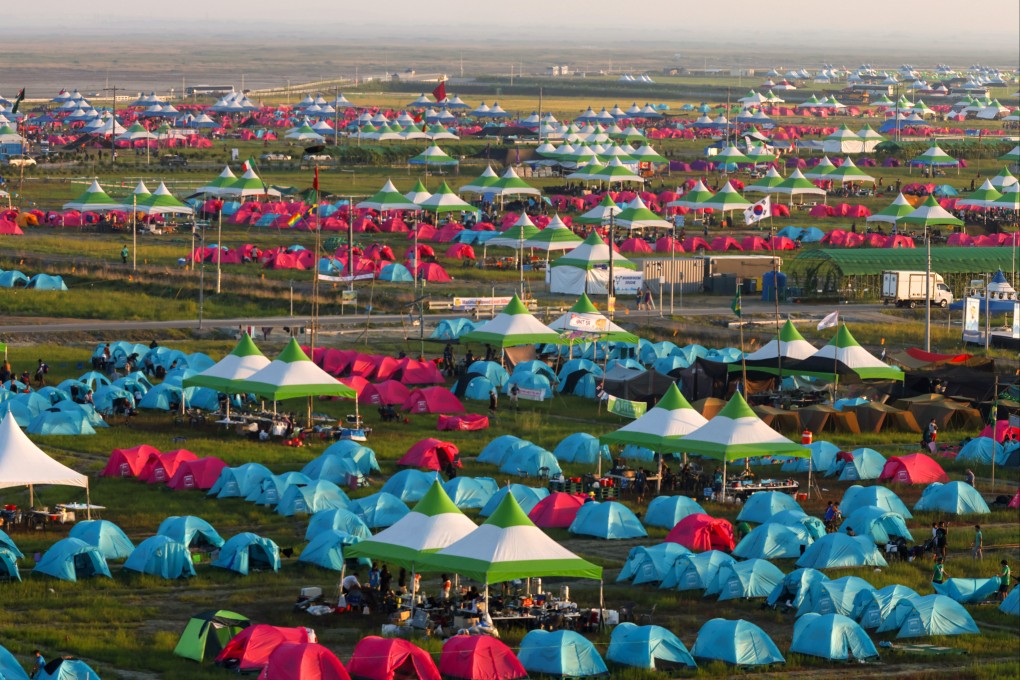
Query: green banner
(627, 409)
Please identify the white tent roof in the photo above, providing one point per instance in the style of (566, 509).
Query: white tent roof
(22, 463)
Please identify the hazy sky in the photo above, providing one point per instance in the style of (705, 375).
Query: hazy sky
(866, 23)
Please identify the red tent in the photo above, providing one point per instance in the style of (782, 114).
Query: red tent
(1002, 430)
(900, 241)
(414, 372)
(249, 650)
(1015, 503)
(461, 251)
(431, 454)
(433, 400)
(162, 466)
(128, 462)
(754, 243)
(465, 423)
(386, 392)
(433, 273)
(336, 361)
(725, 243)
(667, 244)
(423, 250)
(377, 658)
(701, 532)
(447, 233)
(8, 228)
(782, 243)
(635, 245)
(200, 473)
(386, 367)
(557, 510)
(426, 232)
(479, 657)
(303, 661)
(356, 383)
(363, 365)
(916, 468)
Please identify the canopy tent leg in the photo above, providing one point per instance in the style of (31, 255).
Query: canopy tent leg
(602, 605)
(88, 500)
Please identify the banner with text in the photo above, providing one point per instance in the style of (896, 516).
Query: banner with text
(346, 279)
(1016, 319)
(531, 395)
(472, 302)
(972, 319)
(625, 408)
(587, 323)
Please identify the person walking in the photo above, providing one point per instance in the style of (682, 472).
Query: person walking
(40, 663)
(941, 539)
(515, 392)
(124, 252)
(493, 400)
(40, 373)
(979, 543)
(938, 572)
(1003, 580)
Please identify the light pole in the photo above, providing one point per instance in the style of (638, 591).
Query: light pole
(201, 281)
(113, 125)
(927, 289)
(611, 284)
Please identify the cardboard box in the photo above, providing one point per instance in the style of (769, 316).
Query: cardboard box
(464, 621)
(402, 615)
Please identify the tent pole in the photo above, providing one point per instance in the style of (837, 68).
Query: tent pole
(31, 496)
(88, 500)
(602, 605)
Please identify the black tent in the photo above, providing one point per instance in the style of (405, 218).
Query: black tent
(635, 385)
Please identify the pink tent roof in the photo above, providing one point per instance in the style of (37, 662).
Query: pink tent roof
(465, 423)
(461, 251)
(557, 510)
(431, 454)
(128, 462)
(754, 243)
(433, 400)
(700, 532)
(414, 372)
(668, 244)
(426, 232)
(385, 392)
(303, 661)
(377, 658)
(479, 657)
(201, 473)
(915, 468)
(161, 466)
(433, 273)
(725, 243)
(635, 245)
(250, 649)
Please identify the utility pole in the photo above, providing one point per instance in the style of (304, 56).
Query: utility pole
(113, 125)
(927, 289)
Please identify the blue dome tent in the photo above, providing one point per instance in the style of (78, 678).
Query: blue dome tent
(872, 607)
(478, 388)
(530, 381)
(10, 669)
(71, 559)
(340, 519)
(409, 485)
(652, 647)
(798, 518)
(881, 496)
(666, 511)
(447, 329)
(1011, 605)
(650, 564)
(238, 482)
(933, 615)
(161, 556)
(8, 572)
(247, 551)
(499, 448)
(561, 653)
(533, 461)
(794, 588)
(307, 499)
(495, 373)
(839, 596)
(866, 464)
(736, 642)
(831, 636)
(755, 578)
(333, 469)
(773, 541)
(67, 669)
(111, 540)
(54, 421)
(362, 456)
(878, 524)
(379, 510)
(8, 543)
(981, 450)
(526, 496)
(761, 506)
(956, 498)
(471, 492)
(326, 550)
(581, 447)
(823, 455)
(968, 590)
(193, 532)
(609, 520)
(270, 490)
(834, 551)
(695, 572)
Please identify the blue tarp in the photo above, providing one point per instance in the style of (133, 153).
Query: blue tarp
(326, 550)
(884, 497)
(750, 579)
(695, 572)
(609, 520)
(839, 596)
(340, 519)
(307, 499)
(471, 492)
(955, 498)
(238, 482)
(968, 590)
(831, 636)
(650, 564)
(773, 541)
(795, 587)
(71, 559)
(666, 511)
(410, 485)
(872, 607)
(736, 642)
(581, 447)
(834, 551)
(111, 540)
(561, 653)
(762, 505)
(526, 496)
(188, 529)
(161, 556)
(935, 615)
(246, 552)
(379, 510)
(651, 647)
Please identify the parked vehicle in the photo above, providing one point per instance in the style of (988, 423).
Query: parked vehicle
(173, 161)
(908, 288)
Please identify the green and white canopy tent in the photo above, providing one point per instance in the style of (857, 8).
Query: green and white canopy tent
(894, 212)
(646, 154)
(737, 432)
(848, 173)
(730, 154)
(94, 199)
(844, 359)
(482, 184)
(600, 214)
(774, 356)
(662, 427)
(227, 374)
(759, 153)
(512, 327)
(693, 199)
(821, 170)
(727, 199)
(134, 133)
(798, 185)
(517, 235)
(446, 201)
(934, 156)
(591, 317)
(931, 214)
(983, 197)
(418, 194)
(1003, 179)
(509, 184)
(637, 216)
(141, 191)
(508, 546)
(765, 185)
(1011, 156)
(843, 140)
(433, 524)
(1010, 199)
(162, 202)
(616, 171)
(249, 184)
(387, 198)
(584, 270)
(555, 236)
(222, 181)
(291, 375)
(433, 157)
(304, 133)
(587, 172)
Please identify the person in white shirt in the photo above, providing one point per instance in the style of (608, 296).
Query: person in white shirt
(350, 583)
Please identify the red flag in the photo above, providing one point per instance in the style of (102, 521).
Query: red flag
(440, 92)
(315, 182)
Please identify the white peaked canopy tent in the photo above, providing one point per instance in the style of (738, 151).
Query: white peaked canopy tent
(22, 463)
(660, 429)
(226, 374)
(788, 346)
(584, 269)
(584, 316)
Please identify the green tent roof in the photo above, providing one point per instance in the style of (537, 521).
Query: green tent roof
(945, 259)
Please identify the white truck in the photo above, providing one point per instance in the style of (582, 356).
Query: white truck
(907, 289)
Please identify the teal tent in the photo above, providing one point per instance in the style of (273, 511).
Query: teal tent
(10, 669)
(362, 456)
(308, 499)
(1011, 605)
(832, 636)
(955, 498)
(332, 468)
(471, 492)
(111, 540)
(736, 642)
(666, 511)
(881, 496)
(162, 397)
(451, 329)
(54, 421)
(193, 532)
(794, 588)
(410, 485)
(968, 590)
(46, 282)
(981, 450)
(839, 596)
(8, 543)
(161, 556)
(561, 653)
(823, 455)
(878, 524)
(872, 607)
(527, 497)
(798, 518)
(340, 519)
(934, 615)
(8, 571)
(248, 552)
(751, 579)
(835, 551)
(66, 669)
(761, 506)
(651, 647)
(532, 461)
(499, 448)
(581, 447)
(270, 490)
(773, 541)
(650, 564)
(326, 550)
(238, 482)
(379, 510)
(609, 520)
(696, 571)
(866, 464)
(71, 559)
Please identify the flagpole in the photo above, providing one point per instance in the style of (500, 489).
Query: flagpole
(743, 356)
(219, 251)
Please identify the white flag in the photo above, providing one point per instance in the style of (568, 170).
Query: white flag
(758, 211)
(830, 321)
